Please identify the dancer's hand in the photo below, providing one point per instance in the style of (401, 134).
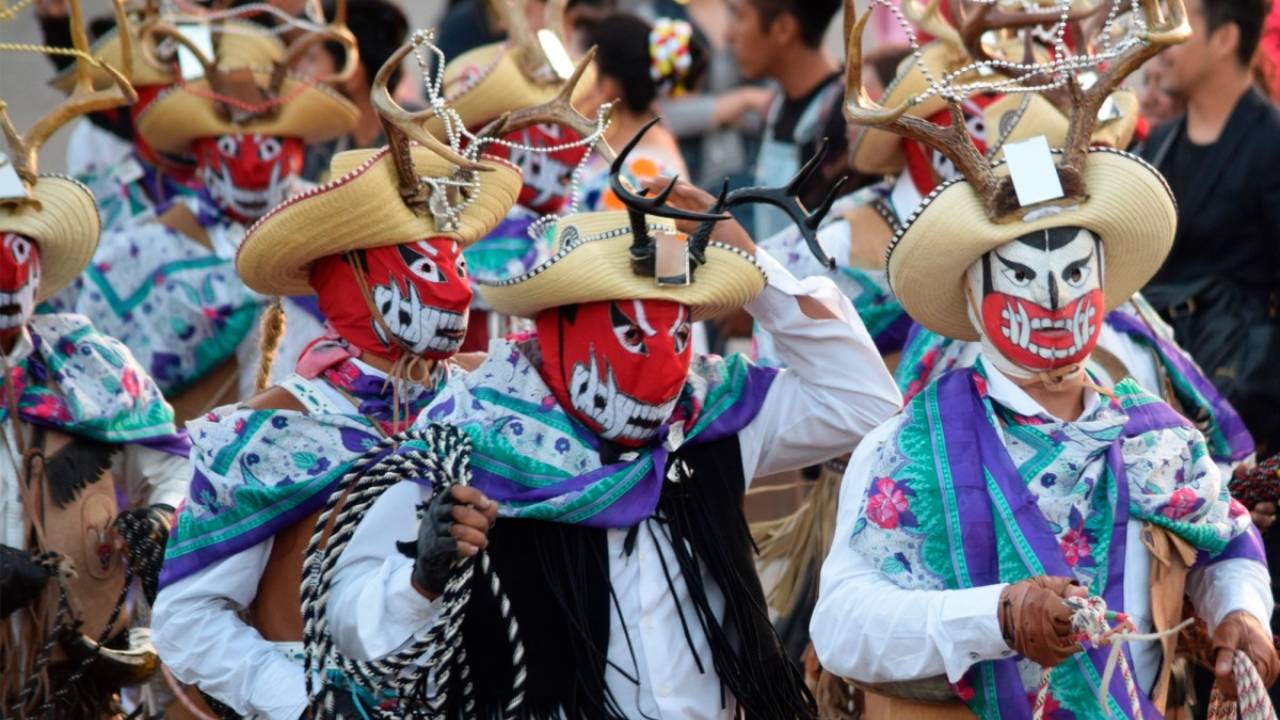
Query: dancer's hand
(1242, 631)
(22, 578)
(456, 524)
(1036, 622)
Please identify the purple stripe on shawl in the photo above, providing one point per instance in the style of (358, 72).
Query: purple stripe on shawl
(1229, 423)
(178, 443)
(895, 337)
(1245, 546)
(744, 409)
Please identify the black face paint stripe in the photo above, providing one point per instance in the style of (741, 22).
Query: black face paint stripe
(1017, 267)
(1053, 291)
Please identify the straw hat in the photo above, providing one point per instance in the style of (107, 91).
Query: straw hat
(61, 216)
(1129, 207)
(593, 263)
(1021, 116)
(362, 208)
(184, 113)
(245, 40)
(484, 83)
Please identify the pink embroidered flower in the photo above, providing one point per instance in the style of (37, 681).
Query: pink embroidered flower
(1182, 503)
(1075, 546)
(963, 689)
(980, 384)
(886, 503)
(130, 382)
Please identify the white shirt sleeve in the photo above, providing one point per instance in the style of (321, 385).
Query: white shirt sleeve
(153, 477)
(200, 636)
(1220, 589)
(373, 606)
(867, 628)
(835, 389)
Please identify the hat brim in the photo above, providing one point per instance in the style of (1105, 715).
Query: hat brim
(484, 83)
(360, 209)
(65, 226)
(599, 270)
(1129, 207)
(184, 113)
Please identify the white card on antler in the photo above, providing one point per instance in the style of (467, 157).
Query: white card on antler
(11, 186)
(1035, 177)
(199, 36)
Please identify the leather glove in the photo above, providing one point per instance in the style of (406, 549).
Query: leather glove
(455, 524)
(22, 578)
(145, 531)
(1036, 622)
(1240, 630)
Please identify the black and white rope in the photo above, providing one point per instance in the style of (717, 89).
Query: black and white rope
(428, 665)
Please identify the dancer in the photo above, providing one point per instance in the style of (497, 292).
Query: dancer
(73, 399)
(1063, 489)
(394, 287)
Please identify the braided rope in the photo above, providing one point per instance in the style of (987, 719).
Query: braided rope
(1253, 702)
(427, 665)
(9, 12)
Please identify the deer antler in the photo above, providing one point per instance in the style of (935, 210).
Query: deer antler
(336, 31)
(931, 21)
(525, 42)
(989, 16)
(786, 198)
(953, 141)
(152, 34)
(559, 111)
(640, 204)
(403, 126)
(83, 99)
(1162, 31)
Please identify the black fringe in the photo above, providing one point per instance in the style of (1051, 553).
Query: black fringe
(77, 465)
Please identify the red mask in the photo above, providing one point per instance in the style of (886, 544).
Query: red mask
(548, 177)
(420, 290)
(247, 175)
(19, 278)
(618, 366)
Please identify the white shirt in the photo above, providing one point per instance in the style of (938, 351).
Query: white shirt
(835, 389)
(867, 628)
(150, 477)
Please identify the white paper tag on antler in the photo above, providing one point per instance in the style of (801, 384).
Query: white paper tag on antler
(671, 261)
(11, 186)
(557, 57)
(200, 36)
(1035, 177)
(1109, 111)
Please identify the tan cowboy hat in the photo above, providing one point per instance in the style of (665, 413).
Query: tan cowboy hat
(184, 113)
(1129, 207)
(242, 40)
(593, 263)
(362, 208)
(61, 216)
(1021, 116)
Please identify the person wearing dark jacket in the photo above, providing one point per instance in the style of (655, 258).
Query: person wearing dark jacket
(1219, 287)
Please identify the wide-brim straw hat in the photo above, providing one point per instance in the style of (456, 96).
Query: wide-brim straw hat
(186, 112)
(1129, 207)
(63, 221)
(1021, 116)
(592, 270)
(484, 83)
(245, 41)
(362, 208)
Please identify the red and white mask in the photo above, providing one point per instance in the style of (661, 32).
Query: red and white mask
(1039, 299)
(419, 290)
(19, 279)
(247, 175)
(618, 366)
(547, 174)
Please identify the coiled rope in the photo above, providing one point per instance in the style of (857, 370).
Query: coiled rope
(1093, 622)
(427, 666)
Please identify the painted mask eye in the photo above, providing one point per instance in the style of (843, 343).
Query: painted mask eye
(419, 257)
(1017, 276)
(628, 333)
(1077, 273)
(228, 146)
(681, 331)
(461, 267)
(19, 248)
(269, 149)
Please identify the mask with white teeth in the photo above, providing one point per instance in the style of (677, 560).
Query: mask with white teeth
(1037, 301)
(247, 175)
(419, 290)
(19, 279)
(617, 366)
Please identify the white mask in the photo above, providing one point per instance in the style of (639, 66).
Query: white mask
(1039, 301)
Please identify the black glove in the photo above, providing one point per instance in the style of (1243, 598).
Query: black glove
(436, 548)
(145, 532)
(22, 578)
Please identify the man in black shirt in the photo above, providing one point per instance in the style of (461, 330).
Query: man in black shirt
(1220, 287)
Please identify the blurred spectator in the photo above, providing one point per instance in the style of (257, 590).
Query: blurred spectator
(468, 24)
(1158, 105)
(782, 40)
(1219, 287)
(380, 27)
